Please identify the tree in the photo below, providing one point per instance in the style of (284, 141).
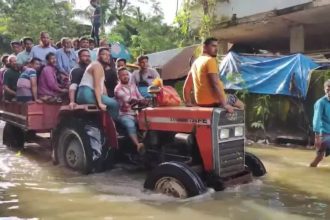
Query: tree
(183, 19)
(29, 17)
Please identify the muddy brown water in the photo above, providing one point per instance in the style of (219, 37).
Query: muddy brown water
(32, 188)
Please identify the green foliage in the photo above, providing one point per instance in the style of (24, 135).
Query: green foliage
(29, 17)
(143, 33)
(207, 10)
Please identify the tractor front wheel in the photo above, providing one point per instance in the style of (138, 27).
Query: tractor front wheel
(175, 179)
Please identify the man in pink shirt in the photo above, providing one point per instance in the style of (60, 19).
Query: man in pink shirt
(127, 94)
(48, 88)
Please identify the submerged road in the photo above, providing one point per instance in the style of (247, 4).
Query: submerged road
(32, 188)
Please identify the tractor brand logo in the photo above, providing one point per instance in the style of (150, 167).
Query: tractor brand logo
(191, 121)
(232, 116)
(201, 121)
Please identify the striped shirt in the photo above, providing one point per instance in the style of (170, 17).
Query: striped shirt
(24, 88)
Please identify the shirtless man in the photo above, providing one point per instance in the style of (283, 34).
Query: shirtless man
(91, 88)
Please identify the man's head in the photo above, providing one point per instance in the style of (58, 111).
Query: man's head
(44, 39)
(210, 46)
(104, 43)
(327, 88)
(12, 62)
(51, 59)
(121, 62)
(143, 62)
(16, 47)
(103, 55)
(66, 44)
(123, 75)
(94, 3)
(84, 57)
(91, 44)
(28, 43)
(4, 60)
(84, 43)
(35, 63)
(75, 43)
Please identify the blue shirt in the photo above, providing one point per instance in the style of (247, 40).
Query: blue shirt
(321, 119)
(41, 52)
(66, 61)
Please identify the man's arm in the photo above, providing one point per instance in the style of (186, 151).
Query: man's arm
(187, 89)
(9, 91)
(34, 88)
(7, 81)
(97, 70)
(214, 82)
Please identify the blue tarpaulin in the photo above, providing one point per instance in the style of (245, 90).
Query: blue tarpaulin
(285, 75)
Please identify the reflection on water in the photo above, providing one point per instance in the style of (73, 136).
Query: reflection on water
(32, 188)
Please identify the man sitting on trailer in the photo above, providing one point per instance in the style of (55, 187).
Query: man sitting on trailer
(127, 94)
(10, 79)
(49, 90)
(27, 82)
(77, 74)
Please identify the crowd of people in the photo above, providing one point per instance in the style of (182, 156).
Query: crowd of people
(75, 72)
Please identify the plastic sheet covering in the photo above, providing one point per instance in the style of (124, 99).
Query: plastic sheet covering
(96, 140)
(285, 75)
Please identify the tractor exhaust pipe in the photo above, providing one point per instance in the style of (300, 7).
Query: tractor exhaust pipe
(184, 138)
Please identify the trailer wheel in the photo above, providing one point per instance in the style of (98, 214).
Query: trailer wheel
(255, 165)
(13, 137)
(175, 179)
(73, 147)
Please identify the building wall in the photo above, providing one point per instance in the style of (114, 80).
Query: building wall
(243, 8)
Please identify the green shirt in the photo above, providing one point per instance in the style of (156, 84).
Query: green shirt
(23, 57)
(10, 79)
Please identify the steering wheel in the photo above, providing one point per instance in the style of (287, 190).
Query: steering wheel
(138, 106)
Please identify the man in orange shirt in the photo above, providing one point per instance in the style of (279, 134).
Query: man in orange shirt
(204, 80)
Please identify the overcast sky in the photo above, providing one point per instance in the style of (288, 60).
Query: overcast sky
(169, 7)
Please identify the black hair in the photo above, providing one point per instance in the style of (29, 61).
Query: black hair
(121, 69)
(34, 59)
(49, 55)
(25, 39)
(82, 50)
(142, 57)
(209, 40)
(101, 49)
(121, 59)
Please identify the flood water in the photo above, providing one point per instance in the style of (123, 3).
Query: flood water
(32, 188)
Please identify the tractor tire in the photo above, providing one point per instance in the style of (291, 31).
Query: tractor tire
(254, 164)
(175, 179)
(13, 137)
(72, 146)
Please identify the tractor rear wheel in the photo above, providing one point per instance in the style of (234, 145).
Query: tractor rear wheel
(175, 179)
(72, 146)
(255, 165)
(13, 137)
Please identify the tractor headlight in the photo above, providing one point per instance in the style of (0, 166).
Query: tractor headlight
(224, 133)
(239, 131)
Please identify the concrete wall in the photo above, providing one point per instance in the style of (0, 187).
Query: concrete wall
(243, 8)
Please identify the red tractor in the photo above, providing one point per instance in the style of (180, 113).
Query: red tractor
(187, 148)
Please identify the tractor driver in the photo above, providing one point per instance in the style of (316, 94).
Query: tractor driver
(204, 80)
